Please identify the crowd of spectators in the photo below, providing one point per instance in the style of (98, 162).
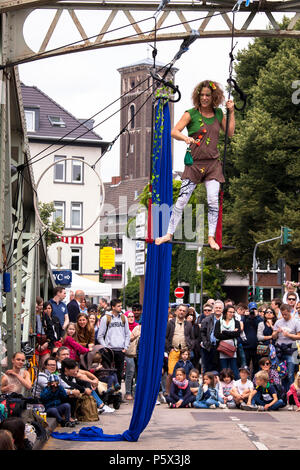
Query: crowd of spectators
(228, 356)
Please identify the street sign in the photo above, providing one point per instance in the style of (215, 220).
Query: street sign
(139, 270)
(62, 277)
(139, 245)
(140, 232)
(179, 292)
(179, 301)
(107, 257)
(140, 257)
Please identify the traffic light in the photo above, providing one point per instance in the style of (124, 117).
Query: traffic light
(250, 294)
(286, 235)
(259, 294)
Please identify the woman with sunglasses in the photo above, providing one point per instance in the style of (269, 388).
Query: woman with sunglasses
(265, 328)
(266, 365)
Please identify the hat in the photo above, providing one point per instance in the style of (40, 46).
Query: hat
(252, 305)
(245, 368)
(53, 378)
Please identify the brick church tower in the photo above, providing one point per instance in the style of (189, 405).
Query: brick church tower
(135, 143)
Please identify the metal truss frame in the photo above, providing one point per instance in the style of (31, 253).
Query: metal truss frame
(18, 11)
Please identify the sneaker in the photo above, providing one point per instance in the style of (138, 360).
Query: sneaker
(157, 402)
(246, 407)
(117, 387)
(212, 407)
(260, 408)
(222, 406)
(108, 409)
(291, 408)
(70, 424)
(162, 398)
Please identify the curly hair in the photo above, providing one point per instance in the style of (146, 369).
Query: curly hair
(217, 93)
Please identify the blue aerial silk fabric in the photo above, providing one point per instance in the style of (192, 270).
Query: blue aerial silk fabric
(156, 297)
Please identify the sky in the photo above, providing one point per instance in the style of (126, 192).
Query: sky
(85, 82)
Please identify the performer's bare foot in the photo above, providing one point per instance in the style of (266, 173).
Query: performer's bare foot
(213, 244)
(166, 238)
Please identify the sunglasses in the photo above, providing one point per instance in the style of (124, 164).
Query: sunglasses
(292, 298)
(207, 310)
(267, 364)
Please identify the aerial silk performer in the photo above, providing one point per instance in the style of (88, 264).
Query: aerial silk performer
(156, 297)
(202, 159)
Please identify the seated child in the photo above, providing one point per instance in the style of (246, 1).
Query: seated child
(184, 362)
(53, 398)
(242, 387)
(293, 395)
(226, 384)
(180, 393)
(264, 396)
(194, 381)
(207, 396)
(107, 376)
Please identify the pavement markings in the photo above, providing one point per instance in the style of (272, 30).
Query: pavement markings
(252, 437)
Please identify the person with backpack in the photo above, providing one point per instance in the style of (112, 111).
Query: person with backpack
(114, 333)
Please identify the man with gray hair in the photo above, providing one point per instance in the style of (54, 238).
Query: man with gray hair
(74, 305)
(209, 353)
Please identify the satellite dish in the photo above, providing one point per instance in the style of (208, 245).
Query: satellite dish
(60, 255)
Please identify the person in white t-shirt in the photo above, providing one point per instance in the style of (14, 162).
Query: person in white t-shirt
(286, 331)
(242, 387)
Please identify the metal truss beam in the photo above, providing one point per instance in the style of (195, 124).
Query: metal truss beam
(23, 255)
(189, 15)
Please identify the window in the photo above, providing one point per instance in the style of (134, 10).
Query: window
(76, 259)
(266, 266)
(60, 169)
(76, 214)
(59, 207)
(77, 171)
(56, 121)
(131, 116)
(30, 120)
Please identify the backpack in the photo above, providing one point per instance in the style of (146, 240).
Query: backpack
(86, 408)
(282, 369)
(3, 412)
(108, 321)
(13, 406)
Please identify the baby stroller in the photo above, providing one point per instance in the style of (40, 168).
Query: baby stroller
(86, 360)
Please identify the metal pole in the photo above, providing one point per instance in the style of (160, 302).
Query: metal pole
(201, 292)
(254, 264)
(124, 284)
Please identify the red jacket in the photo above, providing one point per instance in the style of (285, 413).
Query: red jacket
(75, 348)
(293, 391)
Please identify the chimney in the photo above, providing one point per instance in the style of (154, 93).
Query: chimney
(115, 180)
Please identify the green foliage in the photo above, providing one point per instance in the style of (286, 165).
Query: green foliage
(132, 291)
(46, 209)
(262, 193)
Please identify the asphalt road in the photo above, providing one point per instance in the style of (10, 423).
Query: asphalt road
(173, 430)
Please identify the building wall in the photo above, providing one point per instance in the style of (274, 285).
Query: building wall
(87, 193)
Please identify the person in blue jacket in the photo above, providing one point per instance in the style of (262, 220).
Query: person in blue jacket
(53, 397)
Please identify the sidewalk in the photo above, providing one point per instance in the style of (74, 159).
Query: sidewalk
(191, 429)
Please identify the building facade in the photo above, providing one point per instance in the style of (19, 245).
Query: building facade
(62, 150)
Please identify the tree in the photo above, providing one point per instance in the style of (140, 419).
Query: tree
(46, 210)
(263, 194)
(132, 291)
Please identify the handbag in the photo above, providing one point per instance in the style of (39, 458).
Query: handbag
(188, 159)
(262, 349)
(226, 348)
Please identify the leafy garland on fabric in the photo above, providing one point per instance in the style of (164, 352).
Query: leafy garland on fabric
(162, 94)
